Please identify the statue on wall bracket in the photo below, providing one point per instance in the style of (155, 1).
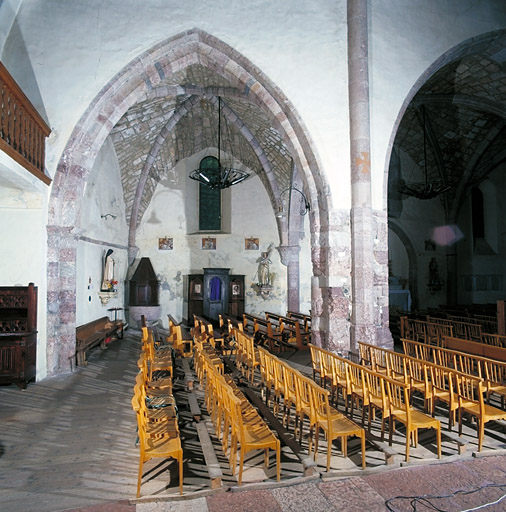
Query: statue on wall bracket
(263, 286)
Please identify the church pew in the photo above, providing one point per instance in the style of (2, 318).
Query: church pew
(292, 327)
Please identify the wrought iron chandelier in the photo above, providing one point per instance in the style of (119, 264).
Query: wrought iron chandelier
(211, 173)
(425, 189)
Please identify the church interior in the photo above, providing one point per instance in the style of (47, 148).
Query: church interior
(184, 221)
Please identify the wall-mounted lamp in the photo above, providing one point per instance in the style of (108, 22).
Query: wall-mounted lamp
(304, 205)
(108, 215)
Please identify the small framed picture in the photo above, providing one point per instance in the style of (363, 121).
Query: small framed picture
(236, 289)
(198, 289)
(165, 244)
(251, 244)
(209, 244)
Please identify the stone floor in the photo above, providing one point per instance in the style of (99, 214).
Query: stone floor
(68, 443)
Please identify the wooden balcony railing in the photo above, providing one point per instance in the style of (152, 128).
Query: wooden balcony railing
(22, 131)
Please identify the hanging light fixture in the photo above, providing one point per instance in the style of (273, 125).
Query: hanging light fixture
(211, 173)
(426, 189)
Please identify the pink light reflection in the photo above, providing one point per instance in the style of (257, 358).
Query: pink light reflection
(447, 235)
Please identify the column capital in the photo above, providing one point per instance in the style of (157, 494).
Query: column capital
(289, 253)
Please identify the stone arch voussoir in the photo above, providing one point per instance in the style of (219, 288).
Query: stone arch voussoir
(129, 86)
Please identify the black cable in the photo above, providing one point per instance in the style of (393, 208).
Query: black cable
(414, 500)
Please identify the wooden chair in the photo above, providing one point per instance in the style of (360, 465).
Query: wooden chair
(340, 379)
(266, 373)
(164, 418)
(305, 403)
(290, 394)
(279, 383)
(470, 391)
(157, 362)
(418, 379)
(495, 379)
(316, 362)
(378, 398)
(442, 382)
(251, 433)
(400, 410)
(160, 442)
(334, 424)
(358, 388)
(396, 366)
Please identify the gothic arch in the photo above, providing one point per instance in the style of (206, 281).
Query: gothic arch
(473, 44)
(129, 86)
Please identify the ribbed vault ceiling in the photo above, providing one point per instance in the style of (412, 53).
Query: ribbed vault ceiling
(465, 113)
(192, 93)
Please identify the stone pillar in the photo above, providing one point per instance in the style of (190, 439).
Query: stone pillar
(290, 257)
(61, 298)
(363, 299)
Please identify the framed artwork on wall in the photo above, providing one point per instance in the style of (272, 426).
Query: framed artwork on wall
(209, 244)
(251, 244)
(165, 244)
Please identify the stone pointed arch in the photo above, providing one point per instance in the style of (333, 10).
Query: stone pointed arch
(469, 46)
(129, 86)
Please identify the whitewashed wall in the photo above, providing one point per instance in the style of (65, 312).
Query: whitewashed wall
(74, 51)
(472, 264)
(103, 195)
(173, 213)
(23, 251)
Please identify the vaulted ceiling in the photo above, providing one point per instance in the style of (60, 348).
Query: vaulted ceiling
(190, 97)
(465, 114)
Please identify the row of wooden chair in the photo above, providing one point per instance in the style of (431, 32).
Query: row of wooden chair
(492, 372)
(373, 390)
(281, 381)
(433, 329)
(160, 357)
(181, 343)
(488, 322)
(452, 380)
(203, 350)
(246, 353)
(155, 407)
(235, 418)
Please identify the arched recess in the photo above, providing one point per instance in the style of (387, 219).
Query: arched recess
(490, 45)
(129, 86)
(469, 46)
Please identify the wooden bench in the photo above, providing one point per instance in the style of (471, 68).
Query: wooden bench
(306, 319)
(265, 333)
(291, 329)
(93, 334)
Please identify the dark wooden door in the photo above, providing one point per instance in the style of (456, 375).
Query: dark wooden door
(216, 292)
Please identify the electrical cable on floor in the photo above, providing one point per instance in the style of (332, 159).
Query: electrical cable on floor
(486, 504)
(414, 500)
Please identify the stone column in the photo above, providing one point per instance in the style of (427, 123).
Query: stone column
(363, 300)
(61, 298)
(290, 258)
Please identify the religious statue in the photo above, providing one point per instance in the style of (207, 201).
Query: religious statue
(433, 272)
(108, 274)
(264, 278)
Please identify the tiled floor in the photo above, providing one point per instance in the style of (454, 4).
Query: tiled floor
(69, 443)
